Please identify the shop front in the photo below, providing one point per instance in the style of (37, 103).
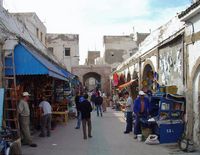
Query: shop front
(40, 77)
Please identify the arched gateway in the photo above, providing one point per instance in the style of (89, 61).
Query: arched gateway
(94, 76)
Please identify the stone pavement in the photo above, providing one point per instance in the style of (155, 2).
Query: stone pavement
(108, 139)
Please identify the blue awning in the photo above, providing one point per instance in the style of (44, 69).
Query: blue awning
(30, 62)
(67, 74)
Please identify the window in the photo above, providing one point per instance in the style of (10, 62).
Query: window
(67, 51)
(37, 32)
(50, 49)
(41, 35)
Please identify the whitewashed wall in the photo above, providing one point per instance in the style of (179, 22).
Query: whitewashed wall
(171, 65)
(153, 59)
(193, 49)
(61, 41)
(196, 107)
(33, 23)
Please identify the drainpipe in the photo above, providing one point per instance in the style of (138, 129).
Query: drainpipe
(158, 60)
(1, 66)
(140, 73)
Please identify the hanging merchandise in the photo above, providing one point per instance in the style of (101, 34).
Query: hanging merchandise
(156, 85)
(115, 79)
(128, 77)
(121, 79)
(135, 75)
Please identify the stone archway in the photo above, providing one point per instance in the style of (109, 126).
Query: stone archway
(147, 63)
(92, 80)
(195, 83)
(147, 77)
(99, 72)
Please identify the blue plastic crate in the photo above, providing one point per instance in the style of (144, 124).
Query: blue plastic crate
(170, 133)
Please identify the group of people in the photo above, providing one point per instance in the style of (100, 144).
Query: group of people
(84, 107)
(24, 119)
(140, 108)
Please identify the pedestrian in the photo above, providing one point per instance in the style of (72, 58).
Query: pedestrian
(77, 102)
(93, 96)
(86, 109)
(46, 110)
(141, 110)
(24, 120)
(104, 105)
(129, 113)
(98, 103)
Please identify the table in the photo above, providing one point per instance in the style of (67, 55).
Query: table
(63, 114)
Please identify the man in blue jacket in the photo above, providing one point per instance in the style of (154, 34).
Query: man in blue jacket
(86, 109)
(141, 110)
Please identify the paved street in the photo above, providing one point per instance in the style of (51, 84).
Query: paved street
(108, 139)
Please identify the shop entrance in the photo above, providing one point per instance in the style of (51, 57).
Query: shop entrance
(91, 81)
(196, 105)
(147, 78)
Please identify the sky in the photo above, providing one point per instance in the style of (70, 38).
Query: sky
(92, 19)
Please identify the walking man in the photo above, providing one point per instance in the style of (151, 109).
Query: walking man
(77, 102)
(98, 103)
(46, 117)
(86, 109)
(24, 120)
(129, 113)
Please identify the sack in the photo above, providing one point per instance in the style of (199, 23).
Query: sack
(152, 140)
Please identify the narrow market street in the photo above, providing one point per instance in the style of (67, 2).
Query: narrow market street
(108, 139)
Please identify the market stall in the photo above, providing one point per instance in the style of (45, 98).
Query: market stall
(41, 77)
(166, 117)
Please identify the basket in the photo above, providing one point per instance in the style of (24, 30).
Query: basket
(146, 132)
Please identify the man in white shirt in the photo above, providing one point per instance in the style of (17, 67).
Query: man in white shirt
(129, 113)
(46, 117)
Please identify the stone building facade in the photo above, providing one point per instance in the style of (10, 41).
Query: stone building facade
(65, 47)
(92, 55)
(33, 24)
(98, 72)
(191, 18)
(120, 48)
(172, 51)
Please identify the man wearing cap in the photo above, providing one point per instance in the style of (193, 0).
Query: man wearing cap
(24, 120)
(141, 110)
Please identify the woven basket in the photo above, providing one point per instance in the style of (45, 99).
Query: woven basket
(146, 132)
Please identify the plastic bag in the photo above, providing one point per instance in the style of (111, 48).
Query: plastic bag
(152, 140)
